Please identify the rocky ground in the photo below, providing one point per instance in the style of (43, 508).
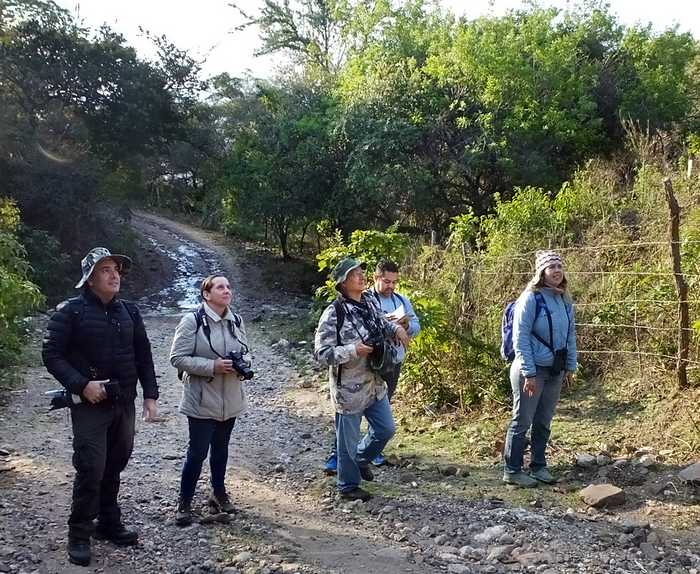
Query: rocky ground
(290, 519)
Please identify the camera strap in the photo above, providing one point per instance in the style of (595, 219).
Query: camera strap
(365, 312)
(202, 319)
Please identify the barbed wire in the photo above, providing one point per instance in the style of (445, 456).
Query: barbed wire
(527, 255)
(616, 246)
(570, 272)
(623, 352)
(635, 301)
(647, 327)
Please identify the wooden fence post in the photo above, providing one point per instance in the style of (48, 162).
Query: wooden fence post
(681, 285)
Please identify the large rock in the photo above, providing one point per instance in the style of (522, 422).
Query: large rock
(603, 460)
(585, 460)
(650, 551)
(441, 539)
(529, 559)
(603, 495)
(242, 558)
(282, 345)
(447, 557)
(690, 473)
(448, 470)
(501, 553)
(490, 534)
(647, 460)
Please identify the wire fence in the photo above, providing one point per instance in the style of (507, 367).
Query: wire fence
(634, 301)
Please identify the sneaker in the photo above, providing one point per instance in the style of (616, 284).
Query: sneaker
(519, 479)
(118, 534)
(355, 494)
(79, 551)
(220, 502)
(331, 466)
(379, 460)
(184, 512)
(365, 472)
(543, 475)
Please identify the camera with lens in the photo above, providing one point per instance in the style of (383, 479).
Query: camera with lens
(241, 366)
(378, 343)
(559, 363)
(62, 398)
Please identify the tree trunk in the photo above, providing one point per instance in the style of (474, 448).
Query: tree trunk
(303, 236)
(282, 231)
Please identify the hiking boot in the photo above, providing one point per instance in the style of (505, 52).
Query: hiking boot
(519, 479)
(331, 466)
(365, 472)
(543, 475)
(184, 512)
(117, 534)
(355, 494)
(220, 502)
(379, 460)
(79, 551)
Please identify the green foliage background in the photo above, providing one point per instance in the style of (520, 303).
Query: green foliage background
(455, 146)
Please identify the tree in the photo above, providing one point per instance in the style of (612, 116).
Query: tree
(310, 30)
(281, 168)
(82, 117)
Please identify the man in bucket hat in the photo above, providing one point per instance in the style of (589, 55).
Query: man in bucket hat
(97, 348)
(350, 332)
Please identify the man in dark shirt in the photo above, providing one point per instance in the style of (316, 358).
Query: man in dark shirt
(96, 346)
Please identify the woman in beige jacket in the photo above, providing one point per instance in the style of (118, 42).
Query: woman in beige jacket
(213, 394)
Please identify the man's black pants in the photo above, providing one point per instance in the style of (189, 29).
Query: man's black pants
(103, 438)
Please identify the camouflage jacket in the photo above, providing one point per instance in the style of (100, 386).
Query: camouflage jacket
(353, 385)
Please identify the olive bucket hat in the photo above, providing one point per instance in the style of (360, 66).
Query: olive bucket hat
(96, 255)
(341, 270)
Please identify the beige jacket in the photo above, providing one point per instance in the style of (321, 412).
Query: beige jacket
(206, 395)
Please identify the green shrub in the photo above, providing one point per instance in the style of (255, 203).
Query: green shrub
(18, 295)
(613, 236)
(368, 246)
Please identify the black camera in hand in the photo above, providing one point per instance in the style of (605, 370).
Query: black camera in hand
(240, 365)
(62, 398)
(377, 341)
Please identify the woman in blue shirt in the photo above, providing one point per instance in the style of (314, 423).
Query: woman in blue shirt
(544, 339)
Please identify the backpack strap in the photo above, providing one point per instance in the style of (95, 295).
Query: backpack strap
(542, 304)
(339, 320)
(199, 323)
(568, 326)
(133, 312)
(76, 308)
(403, 301)
(393, 295)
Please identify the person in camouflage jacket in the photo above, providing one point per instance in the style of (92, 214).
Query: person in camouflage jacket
(356, 387)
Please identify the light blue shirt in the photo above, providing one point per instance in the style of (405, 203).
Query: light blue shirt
(531, 352)
(389, 305)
